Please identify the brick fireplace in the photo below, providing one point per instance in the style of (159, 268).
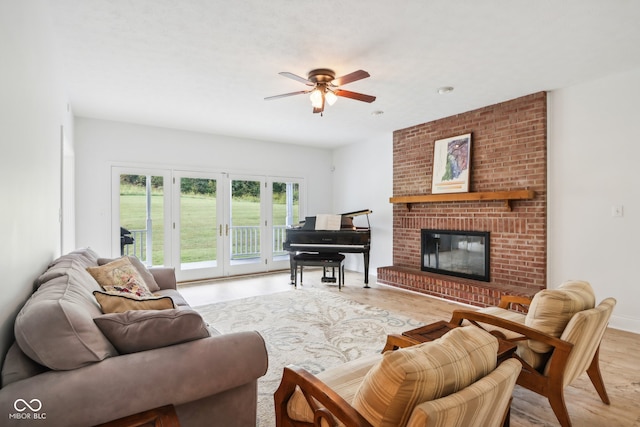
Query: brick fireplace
(508, 152)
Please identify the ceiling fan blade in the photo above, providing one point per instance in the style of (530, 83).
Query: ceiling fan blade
(284, 95)
(354, 95)
(296, 77)
(351, 77)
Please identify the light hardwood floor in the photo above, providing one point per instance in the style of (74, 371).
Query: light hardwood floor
(619, 353)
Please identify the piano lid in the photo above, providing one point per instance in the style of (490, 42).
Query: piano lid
(346, 222)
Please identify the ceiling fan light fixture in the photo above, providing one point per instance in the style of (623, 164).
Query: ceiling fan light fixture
(330, 97)
(316, 98)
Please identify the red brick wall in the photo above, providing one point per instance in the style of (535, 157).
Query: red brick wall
(508, 152)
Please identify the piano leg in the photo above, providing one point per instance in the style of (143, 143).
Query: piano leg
(366, 269)
(293, 268)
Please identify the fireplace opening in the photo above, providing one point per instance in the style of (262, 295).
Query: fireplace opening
(456, 253)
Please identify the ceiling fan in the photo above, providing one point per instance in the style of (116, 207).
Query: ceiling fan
(326, 87)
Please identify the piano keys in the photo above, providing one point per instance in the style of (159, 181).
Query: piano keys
(348, 239)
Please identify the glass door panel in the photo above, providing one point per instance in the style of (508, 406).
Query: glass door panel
(245, 230)
(198, 229)
(141, 217)
(285, 213)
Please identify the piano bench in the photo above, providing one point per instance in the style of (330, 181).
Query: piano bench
(323, 260)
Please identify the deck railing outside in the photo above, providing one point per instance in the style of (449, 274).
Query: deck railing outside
(245, 242)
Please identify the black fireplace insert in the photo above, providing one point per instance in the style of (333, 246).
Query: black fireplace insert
(456, 253)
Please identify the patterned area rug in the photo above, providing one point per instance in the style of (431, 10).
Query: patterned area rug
(311, 328)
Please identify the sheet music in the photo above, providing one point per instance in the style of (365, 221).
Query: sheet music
(328, 222)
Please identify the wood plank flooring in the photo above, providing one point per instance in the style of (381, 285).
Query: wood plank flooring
(619, 353)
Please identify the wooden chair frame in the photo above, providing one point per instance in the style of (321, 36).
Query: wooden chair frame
(325, 403)
(550, 385)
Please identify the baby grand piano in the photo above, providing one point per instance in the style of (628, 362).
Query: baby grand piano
(348, 239)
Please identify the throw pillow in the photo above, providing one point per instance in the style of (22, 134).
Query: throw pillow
(407, 377)
(120, 276)
(145, 274)
(135, 331)
(119, 303)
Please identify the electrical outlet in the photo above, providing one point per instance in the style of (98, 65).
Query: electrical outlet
(617, 211)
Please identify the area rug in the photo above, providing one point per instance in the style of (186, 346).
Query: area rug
(311, 328)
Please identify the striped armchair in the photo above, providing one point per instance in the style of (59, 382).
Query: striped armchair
(558, 335)
(452, 381)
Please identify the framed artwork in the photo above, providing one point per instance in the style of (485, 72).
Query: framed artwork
(451, 165)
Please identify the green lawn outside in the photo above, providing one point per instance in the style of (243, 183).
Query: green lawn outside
(199, 227)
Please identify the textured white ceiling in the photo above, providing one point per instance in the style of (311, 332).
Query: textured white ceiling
(206, 65)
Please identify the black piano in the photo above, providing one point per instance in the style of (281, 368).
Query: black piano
(348, 239)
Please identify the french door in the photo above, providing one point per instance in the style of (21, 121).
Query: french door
(197, 225)
(204, 224)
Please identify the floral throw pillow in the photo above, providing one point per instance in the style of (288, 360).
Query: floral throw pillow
(120, 277)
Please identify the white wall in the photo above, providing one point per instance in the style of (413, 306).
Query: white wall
(363, 179)
(593, 152)
(101, 144)
(33, 107)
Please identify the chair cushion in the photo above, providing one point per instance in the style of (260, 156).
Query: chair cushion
(481, 404)
(344, 379)
(406, 377)
(551, 309)
(531, 357)
(585, 331)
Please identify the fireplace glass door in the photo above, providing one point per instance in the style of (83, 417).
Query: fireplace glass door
(456, 253)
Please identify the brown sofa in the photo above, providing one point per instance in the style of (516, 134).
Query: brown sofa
(64, 371)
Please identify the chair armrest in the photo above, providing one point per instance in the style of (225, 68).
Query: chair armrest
(396, 341)
(558, 354)
(475, 318)
(520, 302)
(165, 277)
(325, 403)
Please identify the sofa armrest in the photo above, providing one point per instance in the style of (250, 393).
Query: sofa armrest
(165, 277)
(132, 383)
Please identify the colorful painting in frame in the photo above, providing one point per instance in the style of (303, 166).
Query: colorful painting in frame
(451, 165)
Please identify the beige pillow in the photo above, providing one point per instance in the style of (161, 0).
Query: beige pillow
(142, 330)
(551, 309)
(119, 303)
(120, 276)
(146, 276)
(407, 377)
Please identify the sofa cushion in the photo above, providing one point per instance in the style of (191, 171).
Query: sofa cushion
(551, 309)
(406, 377)
(120, 276)
(17, 366)
(120, 303)
(145, 275)
(142, 330)
(77, 261)
(55, 327)
(176, 296)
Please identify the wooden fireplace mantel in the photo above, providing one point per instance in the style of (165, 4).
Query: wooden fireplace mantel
(507, 196)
